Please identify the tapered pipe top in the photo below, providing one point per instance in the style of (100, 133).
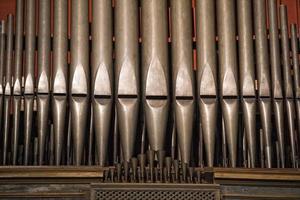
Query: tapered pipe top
(2, 55)
(44, 47)
(227, 47)
(182, 50)
(79, 74)
(206, 47)
(102, 48)
(287, 76)
(60, 47)
(127, 49)
(261, 48)
(155, 49)
(274, 50)
(246, 58)
(295, 49)
(9, 54)
(18, 47)
(29, 46)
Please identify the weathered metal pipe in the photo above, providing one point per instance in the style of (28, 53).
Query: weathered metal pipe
(79, 75)
(295, 49)
(17, 78)
(43, 79)
(2, 68)
(228, 74)
(29, 75)
(102, 75)
(7, 86)
(182, 74)
(207, 74)
(287, 80)
(247, 77)
(127, 72)
(60, 76)
(263, 75)
(155, 71)
(276, 78)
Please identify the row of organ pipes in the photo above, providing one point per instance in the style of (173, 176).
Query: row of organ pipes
(130, 97)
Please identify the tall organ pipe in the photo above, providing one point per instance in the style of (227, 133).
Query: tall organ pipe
(79, 76)
(207, 74)
(102, 75)
(228, 74)
(60, 76)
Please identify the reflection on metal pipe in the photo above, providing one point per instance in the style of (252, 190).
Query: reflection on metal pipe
(29, 76)
(7, 87)
(287, 80)
(207, 74)
(228, 74)
(17, 78)
(102, 75)
(155, 72)
(247, 77)
(276, 77)
(295, 49)
(79, 75)
(43, 79)
(127, 73)
(263, 75)
(2, 68)
(182, 74)
(60, 76)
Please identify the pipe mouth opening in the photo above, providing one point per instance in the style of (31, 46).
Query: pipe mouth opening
(127, 96)
(156, 97)
(79, 95)
(184, 98)
(102, 96)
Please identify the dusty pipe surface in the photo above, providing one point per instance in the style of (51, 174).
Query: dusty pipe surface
(79, 81)
(127, 79)
(155, 70)
(182, 75)
(60, 76)
(18, 64)
(102, 75)
(228, 74)
(7, 87)
(207, 74)
(29, 75)
(276, 77)
(247, 76)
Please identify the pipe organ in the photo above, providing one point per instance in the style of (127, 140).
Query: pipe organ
(150, 91)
